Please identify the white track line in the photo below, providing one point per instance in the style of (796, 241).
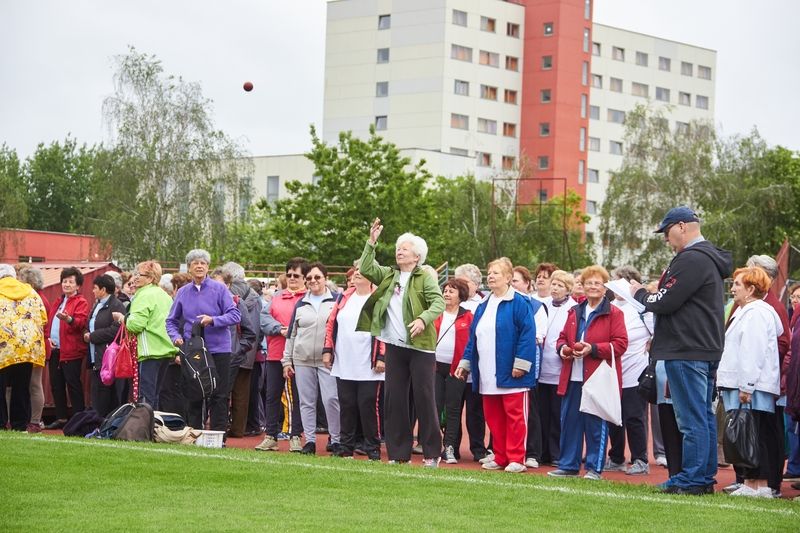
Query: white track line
(400, 471)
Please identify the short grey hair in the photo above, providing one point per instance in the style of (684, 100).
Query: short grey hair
(198, 254)
(113, 274)
(7, 271)
(166, 283)
(469, 271)
(418, 246)
(32, 276)
(627, 272)
(235, 270)
(769, 265)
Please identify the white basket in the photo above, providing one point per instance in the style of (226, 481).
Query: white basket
(210, 439)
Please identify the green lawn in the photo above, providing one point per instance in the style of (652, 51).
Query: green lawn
(67, 484)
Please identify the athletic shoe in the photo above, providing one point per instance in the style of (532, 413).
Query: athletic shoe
(294, 444)
(431, 463)
(359, 449)
(611, 466)
(417, 450)
(490, 465)
(638, 468)
(33, 428)
(309, 449)
(57, 424)
(530, 462)
(733, 487)
(744, 490)
(450, 456)
(283, 436)
(764, 492)
(329, 447)
(488, 459)
(396, 462)
(374, 455)
(592, 475)
(661, 460)
(269, 444)
(515, 468)
(342, 452)
(321, 431)
(776, 493)
(563, 473)
(685, 491)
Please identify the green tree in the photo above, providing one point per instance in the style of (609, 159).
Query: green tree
(13, 208)
(172, 178)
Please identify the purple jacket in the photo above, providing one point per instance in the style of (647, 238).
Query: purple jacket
(212, 299)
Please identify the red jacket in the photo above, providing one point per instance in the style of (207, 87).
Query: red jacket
(607, 328)
(71, 334)
(462, 324)
(332, 328)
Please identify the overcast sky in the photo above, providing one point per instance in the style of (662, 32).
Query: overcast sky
(56, 62)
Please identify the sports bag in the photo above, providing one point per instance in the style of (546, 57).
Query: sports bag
(132, 421)
(197, 367)
(740, 438)
(83, 423)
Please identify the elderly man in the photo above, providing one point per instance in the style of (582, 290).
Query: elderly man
(689, 337)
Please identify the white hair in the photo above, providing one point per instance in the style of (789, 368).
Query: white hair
(198, 254)
(7, 271)
(166, 283)
(113, 274)
(469, 271)
(769, 265)
(234, 269)
(418, 246)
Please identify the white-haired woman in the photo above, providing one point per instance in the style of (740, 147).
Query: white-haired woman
(472, 275)
(400, 313)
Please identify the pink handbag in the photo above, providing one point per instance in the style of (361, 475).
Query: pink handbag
(110, 358)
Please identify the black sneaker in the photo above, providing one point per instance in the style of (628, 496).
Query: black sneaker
(310, 448)
(374, 455)
(329, 447)
(360, 449)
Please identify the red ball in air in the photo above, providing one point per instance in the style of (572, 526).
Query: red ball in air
(248, 86)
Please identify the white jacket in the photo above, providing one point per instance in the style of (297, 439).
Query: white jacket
(750, 359)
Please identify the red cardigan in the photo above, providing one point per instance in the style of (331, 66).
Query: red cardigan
(606, 329)
(462, 324)
(71, 335)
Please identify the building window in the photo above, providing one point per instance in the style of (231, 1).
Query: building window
(510, 97)
(640, 89)
(701, 102)
(544, 162)
(509, 129)
(591, 207)
(382, 89)
(273, 188)
(585, 73)
(616, 116)
(512, 63)
(594, 176)
(581, 170)
(461, 88)
(594, 112)
(547, 62)
(617, 53)
(459, 122)
(684, 98)
(545, 95)
(488, 92)
(459, 151)
(384, 22)
(597, 81)
(687, 69)
(641, 59)
(662, 94)
(544, 129)
(512, 30)
(584, 105)
(487, 126)
(548, 28)
(664, 63)
(582, 140)
(703, 72)
(615, 147)
(596, 49)
(587, 9)
(509, 162)
(594, 144)
(488, 24)
(682, 127)
(459, 17)
(542, 195)
(615, 84)
(484, 159)
(380, 122)
(383, 55)
(490, 59)
(462, 53)
(586, 40)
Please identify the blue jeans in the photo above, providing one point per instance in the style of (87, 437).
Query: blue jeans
(793, 452)
(691, 385)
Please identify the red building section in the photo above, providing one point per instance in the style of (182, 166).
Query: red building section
(31, 246)
(555, 97)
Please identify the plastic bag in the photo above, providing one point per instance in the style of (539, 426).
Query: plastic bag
(601, 393)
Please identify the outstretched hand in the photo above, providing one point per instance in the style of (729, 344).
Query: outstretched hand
(375, 231)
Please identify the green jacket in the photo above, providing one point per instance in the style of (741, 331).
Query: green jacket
(146, 319)
(423, 300)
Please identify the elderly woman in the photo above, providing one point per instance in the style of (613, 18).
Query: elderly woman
(68, 317)
(542, 281)
(22, 320)
(356, 360)
(400, 313)
(501, 353)
(472, 275)
(749, 374)
(594, 331)
(303, 358)
(34, 277)
(561, 302)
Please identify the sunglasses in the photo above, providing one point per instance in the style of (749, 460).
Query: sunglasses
(292, 275)
(314, 278)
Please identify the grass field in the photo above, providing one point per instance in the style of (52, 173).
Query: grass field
(67, 484)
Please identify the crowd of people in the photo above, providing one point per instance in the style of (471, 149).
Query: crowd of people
(394, 358)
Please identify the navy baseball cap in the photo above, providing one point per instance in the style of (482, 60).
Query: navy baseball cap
(681, 213)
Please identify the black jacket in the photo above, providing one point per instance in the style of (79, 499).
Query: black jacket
(105, 329)
(689, 305)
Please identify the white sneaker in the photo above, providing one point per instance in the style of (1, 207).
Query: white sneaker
(431, 463)
(744, 490)
(594, 476)
(530, 462)
(488, 459)
(661, 460)
(269, 444)
(764, 492)
(294, 444)
(516, 468)
(733, 487)
(611, 466)
(450, 456)
(638, 468)
(490, 465)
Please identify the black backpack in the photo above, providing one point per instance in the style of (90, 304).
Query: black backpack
(132, 421)
(197, 367)
(82, 423)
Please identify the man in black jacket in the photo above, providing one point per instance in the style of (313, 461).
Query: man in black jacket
(689, 337)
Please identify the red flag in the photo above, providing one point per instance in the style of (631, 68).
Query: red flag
(778, 288)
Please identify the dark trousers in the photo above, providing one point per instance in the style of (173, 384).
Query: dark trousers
(65, 377)
(217, 404)
(256, 415)
(358, 402)
(171, 399)
(673, 440)
(406, 370)
(550, 416)
(457, 394)
(18, 377)
(533, 442)
(152, 373)
(107, 398)
(240, 401)
(3, 405)
(275, 387)
(634, 424)
(770, 460)
(440, 389)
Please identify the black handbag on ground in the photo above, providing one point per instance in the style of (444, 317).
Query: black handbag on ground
(647, 387)
(740, 438)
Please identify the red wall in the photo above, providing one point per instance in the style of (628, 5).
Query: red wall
(53, 247)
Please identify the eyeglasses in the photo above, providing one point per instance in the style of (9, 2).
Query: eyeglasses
(292, 275)
(314, 278)
(140, 274)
